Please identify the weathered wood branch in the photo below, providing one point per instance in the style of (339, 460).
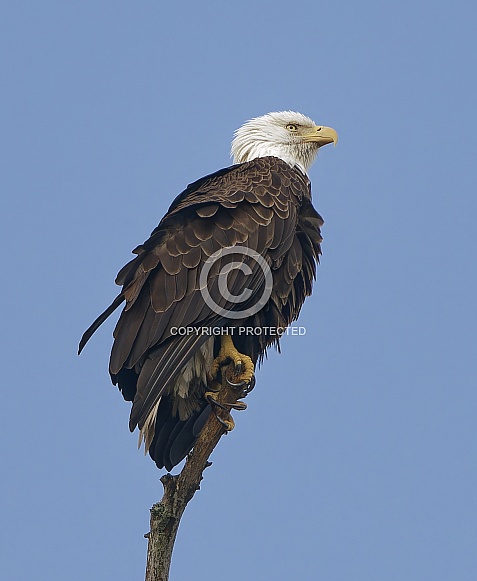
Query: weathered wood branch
(179, 490)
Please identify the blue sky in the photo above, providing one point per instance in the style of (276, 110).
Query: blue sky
(356, 457)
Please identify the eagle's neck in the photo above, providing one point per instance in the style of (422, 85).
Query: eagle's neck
(299, 155)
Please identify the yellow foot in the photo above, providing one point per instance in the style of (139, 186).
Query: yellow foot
(243, 374)
(243, 365)
(227, 422)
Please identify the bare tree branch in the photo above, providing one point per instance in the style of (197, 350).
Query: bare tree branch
(179, 490)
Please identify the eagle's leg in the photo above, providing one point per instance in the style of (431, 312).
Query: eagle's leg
(243, 372)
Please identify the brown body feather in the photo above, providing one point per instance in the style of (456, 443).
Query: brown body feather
(264, 205)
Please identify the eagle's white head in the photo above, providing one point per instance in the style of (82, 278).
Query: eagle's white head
(288, 135)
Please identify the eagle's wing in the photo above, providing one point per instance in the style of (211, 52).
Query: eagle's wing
(255, 205)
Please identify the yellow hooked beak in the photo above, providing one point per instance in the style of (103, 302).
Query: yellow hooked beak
(321, 135)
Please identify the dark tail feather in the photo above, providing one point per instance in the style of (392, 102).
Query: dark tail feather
(175, 438)
(99, 321)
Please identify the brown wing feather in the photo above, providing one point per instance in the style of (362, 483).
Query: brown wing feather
(257, 204)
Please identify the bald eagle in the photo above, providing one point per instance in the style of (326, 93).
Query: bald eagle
(253, 228)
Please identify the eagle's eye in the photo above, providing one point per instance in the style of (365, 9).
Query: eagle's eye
(292, 127)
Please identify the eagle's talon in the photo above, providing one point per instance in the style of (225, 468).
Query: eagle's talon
(236, 385)
(251, 385)
(239, 368)
(238, 406)
(210, 397)
(228, 424)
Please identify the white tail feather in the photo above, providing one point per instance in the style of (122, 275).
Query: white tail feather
(146, 433)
